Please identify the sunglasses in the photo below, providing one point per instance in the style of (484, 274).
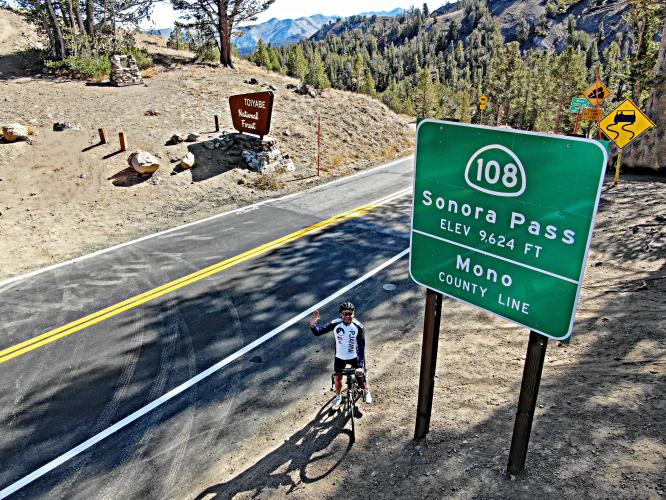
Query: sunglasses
(347, 313)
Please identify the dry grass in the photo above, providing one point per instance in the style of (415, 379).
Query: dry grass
(337, 159)
(268, 182)
(151, 72)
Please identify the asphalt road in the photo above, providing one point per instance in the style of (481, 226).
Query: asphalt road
(82, 379)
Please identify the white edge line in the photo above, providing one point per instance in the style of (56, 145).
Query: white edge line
(12, 488)
(254, 206)
(589, 239)
(527, 266)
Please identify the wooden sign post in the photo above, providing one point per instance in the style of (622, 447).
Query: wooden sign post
(431, 323)
(251, 113)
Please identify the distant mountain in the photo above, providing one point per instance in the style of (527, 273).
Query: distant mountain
(384, 13)
(280, 32)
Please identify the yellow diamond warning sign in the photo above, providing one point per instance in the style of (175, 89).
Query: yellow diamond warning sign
(625, 123)
(596, 93)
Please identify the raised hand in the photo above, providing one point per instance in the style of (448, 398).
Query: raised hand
(315, 317)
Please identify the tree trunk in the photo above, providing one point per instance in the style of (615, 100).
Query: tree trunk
(224, 31)
(70, 14)
(79, 19)
(90, 18)
(47, 28)
(650, 149)
(57, 32)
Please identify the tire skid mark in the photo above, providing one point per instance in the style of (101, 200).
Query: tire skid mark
(188, 414)
(141, 433)
(109, 411)
(24, 384)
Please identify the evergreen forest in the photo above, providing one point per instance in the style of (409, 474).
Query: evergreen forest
(438, 65)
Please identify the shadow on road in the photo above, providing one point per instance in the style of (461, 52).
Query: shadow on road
(312, 453)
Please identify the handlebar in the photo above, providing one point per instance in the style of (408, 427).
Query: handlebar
(347, 372)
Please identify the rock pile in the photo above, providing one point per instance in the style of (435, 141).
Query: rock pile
(262, 156)
(124, 71)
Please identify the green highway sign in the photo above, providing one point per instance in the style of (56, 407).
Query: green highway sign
(502, 219)
(578, 103)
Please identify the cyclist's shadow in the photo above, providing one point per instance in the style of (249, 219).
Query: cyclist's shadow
(314, 451)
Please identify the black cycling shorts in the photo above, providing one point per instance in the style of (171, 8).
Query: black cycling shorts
(339, 364)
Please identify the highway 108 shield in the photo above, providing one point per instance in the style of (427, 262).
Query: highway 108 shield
(503, 219)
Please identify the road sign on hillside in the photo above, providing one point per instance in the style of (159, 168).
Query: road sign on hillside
(597, 93)
(591, 114)
(251, 113)
(625, 123)
(578, 103)
(503, 219)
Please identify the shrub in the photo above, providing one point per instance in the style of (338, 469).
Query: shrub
(86, 68)
(268, 182)
(142, 58)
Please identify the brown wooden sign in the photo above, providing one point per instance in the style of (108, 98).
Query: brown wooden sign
(251, 113)
(591, 114)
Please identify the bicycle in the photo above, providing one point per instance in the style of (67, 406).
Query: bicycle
(353, 393)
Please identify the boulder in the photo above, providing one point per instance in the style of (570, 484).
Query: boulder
(61, 126)
(187, 161)
(143, 162)
(15, 132)
(306, 89)
(175, 139)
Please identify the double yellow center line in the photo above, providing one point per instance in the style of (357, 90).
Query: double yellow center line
(111, 311)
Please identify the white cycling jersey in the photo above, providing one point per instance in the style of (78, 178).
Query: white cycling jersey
(349, 339)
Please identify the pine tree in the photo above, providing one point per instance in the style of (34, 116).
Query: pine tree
(297, 66)
(260, 55)
(425, 99)
(316, 75)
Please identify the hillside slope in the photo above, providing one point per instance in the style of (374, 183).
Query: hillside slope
(64, 195)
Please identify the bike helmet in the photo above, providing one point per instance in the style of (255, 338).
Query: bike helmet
(347, 306)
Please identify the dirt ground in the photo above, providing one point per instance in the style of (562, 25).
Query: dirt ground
(599, 425)
(598, 430)
(64, 195)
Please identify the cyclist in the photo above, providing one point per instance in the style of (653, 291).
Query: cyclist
(349, 348)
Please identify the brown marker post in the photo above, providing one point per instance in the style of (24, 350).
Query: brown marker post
(575, 131)
(102, 135)
(431, 323)
(536, 353)
(123, 141)
(217, 123)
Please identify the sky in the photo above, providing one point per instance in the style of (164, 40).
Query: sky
(164, 16)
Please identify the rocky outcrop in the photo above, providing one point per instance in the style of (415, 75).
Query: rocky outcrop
(650, 149)
(260, 155)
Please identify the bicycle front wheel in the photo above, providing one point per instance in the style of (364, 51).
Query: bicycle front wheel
(350, 409)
